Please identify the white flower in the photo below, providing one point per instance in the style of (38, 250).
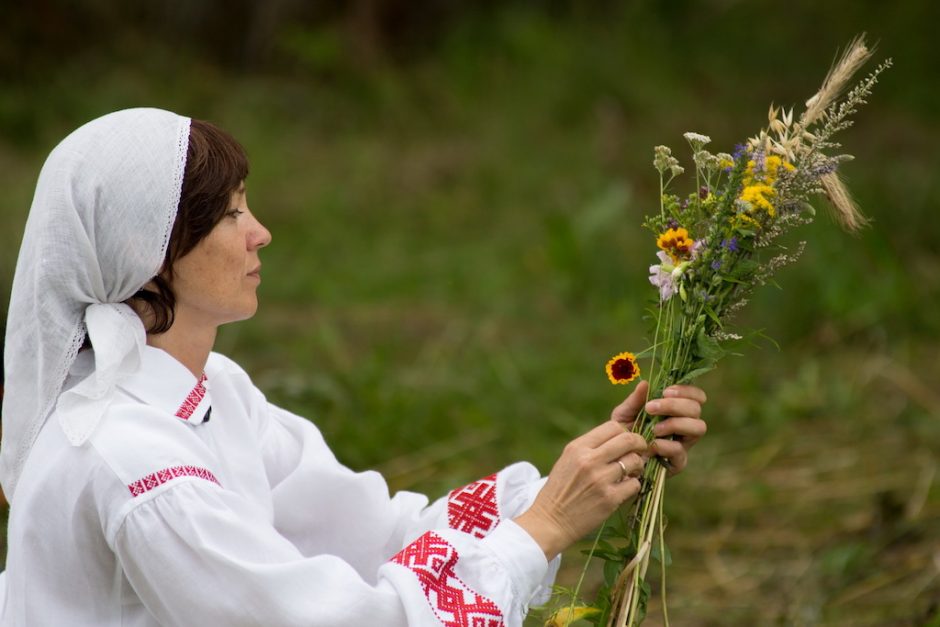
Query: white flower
(704, 160)
(667, 276)
(663, 159)
(697, 140)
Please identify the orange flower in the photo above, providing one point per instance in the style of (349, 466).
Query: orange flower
(622, 368)
(677, 243)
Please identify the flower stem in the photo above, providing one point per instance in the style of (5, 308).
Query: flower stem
(577, 588)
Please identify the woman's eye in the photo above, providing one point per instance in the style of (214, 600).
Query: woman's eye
(234, 213)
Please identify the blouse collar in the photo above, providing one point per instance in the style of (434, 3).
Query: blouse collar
(166, 384)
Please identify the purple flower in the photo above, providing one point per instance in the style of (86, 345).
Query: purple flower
(673, 223)
(740, 151)
(697, 248)
(716, 264)
(703, 192)
(730, 244)
(662, 276)
(758, 161)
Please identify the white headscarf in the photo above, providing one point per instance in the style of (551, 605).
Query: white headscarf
(97, 232)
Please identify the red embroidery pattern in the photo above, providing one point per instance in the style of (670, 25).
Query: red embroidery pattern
(473, 509)
(162, 476)
(193, 399)
(432, 559)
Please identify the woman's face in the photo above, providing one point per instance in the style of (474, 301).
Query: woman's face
(216, 281)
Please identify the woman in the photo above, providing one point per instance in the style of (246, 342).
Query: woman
(152, 484)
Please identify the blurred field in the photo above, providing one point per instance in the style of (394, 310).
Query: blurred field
(457, 252)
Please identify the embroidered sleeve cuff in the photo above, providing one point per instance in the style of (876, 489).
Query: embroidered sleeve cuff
(520, 555)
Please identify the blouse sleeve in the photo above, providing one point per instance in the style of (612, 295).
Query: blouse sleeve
(196, 549)
(302, 469)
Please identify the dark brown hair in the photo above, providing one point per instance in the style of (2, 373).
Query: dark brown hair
(216, 164)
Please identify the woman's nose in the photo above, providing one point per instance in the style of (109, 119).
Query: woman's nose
(260, 236)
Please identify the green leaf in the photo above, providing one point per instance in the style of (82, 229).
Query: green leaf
(707, 348)
(611, 572)
(654, 553)
(611, 555)
(763, 335)
(605, 546)
(711, 314)
(642, 600)
(604, 617)
(616, 526)
(744, 268)
(696, 373)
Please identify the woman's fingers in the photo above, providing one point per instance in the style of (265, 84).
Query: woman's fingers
(631, 406)
(675, 407)
(626, 490)
(685, 431)
(682, 426)
(598, 435)
(620, 445)
(628, 466)
(686, 391)
(688, 429)
(674, 452)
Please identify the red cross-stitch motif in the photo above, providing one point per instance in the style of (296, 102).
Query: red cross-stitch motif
(432, 559)
(160, 477)
(472, 508)
(192, 400)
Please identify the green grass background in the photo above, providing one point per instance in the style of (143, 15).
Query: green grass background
(457, 251)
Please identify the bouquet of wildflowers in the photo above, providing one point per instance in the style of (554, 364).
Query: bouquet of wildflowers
(716, 245)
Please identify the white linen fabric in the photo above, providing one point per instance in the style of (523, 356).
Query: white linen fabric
(195, 501)
(97, 231)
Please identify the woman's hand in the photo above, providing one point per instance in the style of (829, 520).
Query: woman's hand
(599, 471)
(679, 431)
(595, 474)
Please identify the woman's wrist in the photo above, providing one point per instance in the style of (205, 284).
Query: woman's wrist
(546, 534)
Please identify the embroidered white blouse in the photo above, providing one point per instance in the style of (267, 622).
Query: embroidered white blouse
(198, 502)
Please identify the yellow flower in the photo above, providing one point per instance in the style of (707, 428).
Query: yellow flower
(771, 164)
(758, 196)
(622, 368)
(676, 243)
(742, 220)
(771, 170)
(567, 615)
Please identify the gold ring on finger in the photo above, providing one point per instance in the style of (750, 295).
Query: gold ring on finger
(623, 471)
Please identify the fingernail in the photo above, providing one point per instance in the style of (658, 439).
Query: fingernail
(652, 407)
